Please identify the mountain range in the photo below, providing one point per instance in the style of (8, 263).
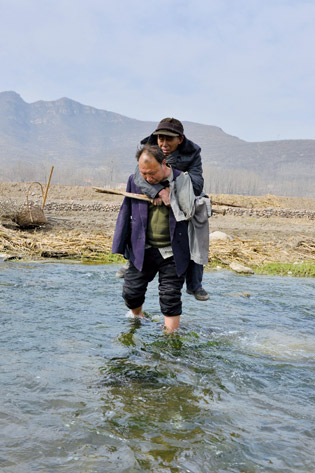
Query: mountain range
(90, 146)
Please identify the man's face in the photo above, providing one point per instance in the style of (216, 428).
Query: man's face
(150, 169)
(169, 144)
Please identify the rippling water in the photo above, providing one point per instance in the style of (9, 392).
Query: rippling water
(85, 389)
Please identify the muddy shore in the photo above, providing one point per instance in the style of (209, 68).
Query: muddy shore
(81, 222)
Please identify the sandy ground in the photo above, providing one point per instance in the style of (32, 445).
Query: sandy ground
(81, 222)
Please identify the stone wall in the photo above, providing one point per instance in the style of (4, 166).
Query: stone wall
(241, 212)
(271, 212)
(96, 206)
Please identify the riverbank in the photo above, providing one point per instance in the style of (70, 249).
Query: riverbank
(80, 225)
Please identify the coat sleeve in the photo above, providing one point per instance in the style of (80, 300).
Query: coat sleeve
(195, 172)
(121, 239)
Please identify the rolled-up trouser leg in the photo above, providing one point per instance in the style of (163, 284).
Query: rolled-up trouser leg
(170, 286)
(136, 282)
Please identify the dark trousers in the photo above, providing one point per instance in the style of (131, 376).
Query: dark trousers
(194, 276)
(170, 285)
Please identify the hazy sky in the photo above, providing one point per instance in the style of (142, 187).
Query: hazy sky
(247, 66)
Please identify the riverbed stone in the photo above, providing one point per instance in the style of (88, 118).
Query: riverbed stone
(219, 236)
(239, 268)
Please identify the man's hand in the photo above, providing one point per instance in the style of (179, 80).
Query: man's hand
(157, 201)
(164, 194)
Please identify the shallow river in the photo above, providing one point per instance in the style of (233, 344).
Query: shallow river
(85, 389)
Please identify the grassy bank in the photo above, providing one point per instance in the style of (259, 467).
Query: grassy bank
(304, 270)
(108, 258)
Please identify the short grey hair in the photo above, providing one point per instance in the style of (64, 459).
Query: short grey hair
(153, 150)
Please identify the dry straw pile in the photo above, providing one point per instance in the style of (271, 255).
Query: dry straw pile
(76, 244)
(255, 253)
(54, 245)
(248, 252)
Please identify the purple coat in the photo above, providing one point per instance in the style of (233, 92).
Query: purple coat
(131, 226)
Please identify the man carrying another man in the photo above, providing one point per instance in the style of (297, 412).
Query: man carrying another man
(184, 155)
(156, 242)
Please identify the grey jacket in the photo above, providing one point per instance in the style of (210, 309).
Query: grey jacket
(197, 210)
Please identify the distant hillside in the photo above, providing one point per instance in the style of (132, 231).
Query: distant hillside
(91, 146)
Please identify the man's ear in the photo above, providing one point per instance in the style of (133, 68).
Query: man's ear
(181, 139)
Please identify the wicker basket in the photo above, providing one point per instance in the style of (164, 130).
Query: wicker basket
(32, 215)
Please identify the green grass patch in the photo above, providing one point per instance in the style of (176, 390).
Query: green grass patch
(103, 258)
(304, 269)
(214, 263)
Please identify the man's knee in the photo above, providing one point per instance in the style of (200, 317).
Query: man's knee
(134, 288)
(132, 296)
(170, 308)
(170, 295)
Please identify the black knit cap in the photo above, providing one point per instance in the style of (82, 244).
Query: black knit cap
(169, 127)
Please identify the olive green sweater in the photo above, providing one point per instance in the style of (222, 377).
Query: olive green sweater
(158, 231)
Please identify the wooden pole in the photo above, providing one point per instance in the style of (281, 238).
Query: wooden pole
(47, 187)
(126, 194)
(138, 196)
(213, 202)
(143, 197)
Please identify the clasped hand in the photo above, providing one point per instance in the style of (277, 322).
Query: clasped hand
(164, 197)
